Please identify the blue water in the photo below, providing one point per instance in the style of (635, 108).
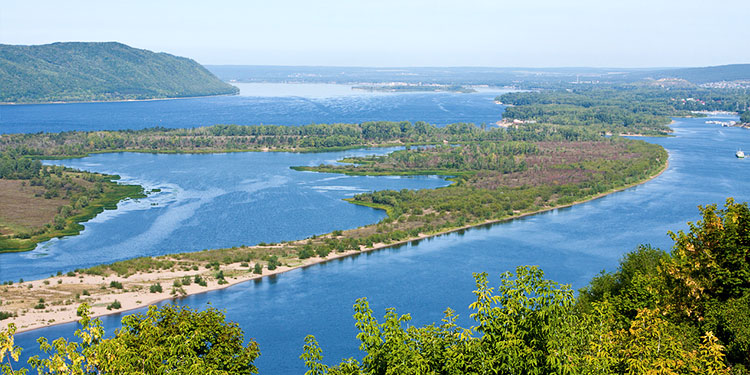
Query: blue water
(571, 245)
(209, 201)
(269, 104)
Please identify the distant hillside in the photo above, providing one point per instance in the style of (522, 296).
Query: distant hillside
(518, 77)
(100, 71)
(735, 72)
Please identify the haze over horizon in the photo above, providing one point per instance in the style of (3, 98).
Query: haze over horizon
(420, 33)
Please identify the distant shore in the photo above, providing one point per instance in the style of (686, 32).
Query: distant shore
(116, 100)
(134, 293)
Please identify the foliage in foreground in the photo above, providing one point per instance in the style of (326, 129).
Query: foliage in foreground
(170, 339)
(530, 326)
(686, 312)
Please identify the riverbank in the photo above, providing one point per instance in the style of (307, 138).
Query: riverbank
(58, 297)
(117, 100)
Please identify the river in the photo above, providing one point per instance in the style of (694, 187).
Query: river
(571, 245)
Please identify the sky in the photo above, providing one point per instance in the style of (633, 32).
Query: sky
(492, 33)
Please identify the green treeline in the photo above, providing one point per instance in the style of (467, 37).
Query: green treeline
(622, 109)
(505, 157)
(686, 311)
(745, 117)
(14, 167)
(316, 137)
(100, 71)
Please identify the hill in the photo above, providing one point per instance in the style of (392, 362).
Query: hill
(734, 72)
(100, 71)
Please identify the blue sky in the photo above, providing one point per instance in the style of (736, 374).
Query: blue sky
(499, 33)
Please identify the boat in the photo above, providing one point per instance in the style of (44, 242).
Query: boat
(740, 154)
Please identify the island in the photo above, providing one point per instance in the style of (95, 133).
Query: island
(497, 174)
(413, 87)
(80, 72)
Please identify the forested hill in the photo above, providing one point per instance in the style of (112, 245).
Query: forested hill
(100, 71)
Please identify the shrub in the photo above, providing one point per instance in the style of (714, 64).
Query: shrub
(305, 252)
(114, 305)
(258, 269)
(155, 288)
(199, 280)
(322, 251)
(115, 284)
(273, 262)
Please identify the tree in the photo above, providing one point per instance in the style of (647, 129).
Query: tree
(709, 276)
(169, 339)
(712, 260)
(515, 334)
(177, 339)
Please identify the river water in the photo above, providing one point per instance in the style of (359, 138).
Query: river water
(571, 245)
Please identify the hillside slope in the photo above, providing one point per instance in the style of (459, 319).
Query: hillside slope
(79, 71)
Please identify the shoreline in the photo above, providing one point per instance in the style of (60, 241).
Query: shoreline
(140, 298)
(117, 100)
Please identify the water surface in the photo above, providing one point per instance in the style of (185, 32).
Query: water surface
(210, 201)
(257, 104)
(571, 245)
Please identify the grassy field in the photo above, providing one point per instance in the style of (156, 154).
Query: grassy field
(33, 211)
(22, 209)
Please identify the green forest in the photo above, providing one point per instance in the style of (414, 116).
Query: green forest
(626, 109)
(78, 71)
(309, 138)
(683, 311)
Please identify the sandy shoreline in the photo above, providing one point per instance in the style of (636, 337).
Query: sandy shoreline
(135, 293)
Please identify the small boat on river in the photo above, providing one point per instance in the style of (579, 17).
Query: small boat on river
(740, 154)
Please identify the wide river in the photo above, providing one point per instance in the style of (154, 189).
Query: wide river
(571, 245)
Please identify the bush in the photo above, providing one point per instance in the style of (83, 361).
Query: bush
(305, 252)
(273, 262)
(186, 280)
(199, 280)
(114, 305)
(85, 292)
(322, 251)
(155, 288)
(115, 284)
(258, 269)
